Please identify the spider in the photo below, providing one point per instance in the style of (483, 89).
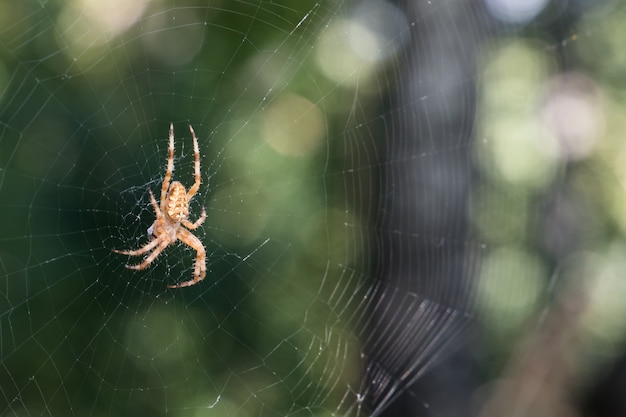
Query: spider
(171, 222)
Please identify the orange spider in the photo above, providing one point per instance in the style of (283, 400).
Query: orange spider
(171, 222)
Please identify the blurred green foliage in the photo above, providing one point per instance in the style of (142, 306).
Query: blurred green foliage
(88, 89)
(550, 147)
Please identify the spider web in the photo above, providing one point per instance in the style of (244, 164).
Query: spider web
(354, 200)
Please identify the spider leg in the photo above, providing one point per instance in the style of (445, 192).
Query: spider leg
(170, 168)
(162, 245)
(157, 210)
(193, 226)
(198, 179)
(193, 242)
(150, 244)
(148, 247)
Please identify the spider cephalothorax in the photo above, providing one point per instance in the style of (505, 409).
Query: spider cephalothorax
(171, 222)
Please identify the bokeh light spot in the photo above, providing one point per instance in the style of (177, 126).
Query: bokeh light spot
(293, 126)
(510, 285)
(515, 11)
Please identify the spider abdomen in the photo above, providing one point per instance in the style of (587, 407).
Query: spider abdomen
(177, 205)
